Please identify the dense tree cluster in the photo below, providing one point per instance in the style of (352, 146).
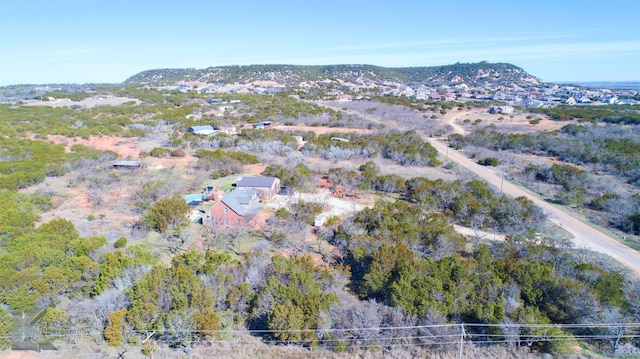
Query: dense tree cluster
(405, 148)
(167, 214)
(574, 181)
(278, 107)
(366, 179)
(418, 263)
(26, 162)
(38, 265)
(222, 163)
(297, 177)
(472, 204)
(621, 114)
(42, 121)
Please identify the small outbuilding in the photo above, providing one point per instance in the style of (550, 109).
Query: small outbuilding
(262, 125)
(194, 200)
(320, 220)
(129, 165)
(339, 139)
(201, 130)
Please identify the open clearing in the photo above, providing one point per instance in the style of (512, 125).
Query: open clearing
(84, 103)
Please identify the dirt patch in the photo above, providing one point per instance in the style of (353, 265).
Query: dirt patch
(108, 210)
(333, 206)
(110, 216)
(126, 147)
(323, 130)
(254, 170)
(478, 233)
(518, 123)
(85, 103)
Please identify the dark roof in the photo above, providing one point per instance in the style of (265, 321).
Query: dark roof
(127, 164)
(256, 182)
(243, 201)
(262, 124)
(287, 191)
(194, 203)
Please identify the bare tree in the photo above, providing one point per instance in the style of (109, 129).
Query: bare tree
(227, 237)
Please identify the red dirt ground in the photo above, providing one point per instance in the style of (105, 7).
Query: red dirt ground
(114, 212)
(124, 146)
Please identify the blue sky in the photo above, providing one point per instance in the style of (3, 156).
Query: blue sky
(107, 41)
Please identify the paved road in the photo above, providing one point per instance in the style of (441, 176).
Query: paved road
(585, 236)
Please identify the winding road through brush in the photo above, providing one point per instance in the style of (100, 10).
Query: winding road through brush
(584, 235)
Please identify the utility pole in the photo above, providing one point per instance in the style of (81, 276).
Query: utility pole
(462, 335)
(148, 341)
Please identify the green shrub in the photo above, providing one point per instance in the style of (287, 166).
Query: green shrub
(178, 153)
(120, 243)
(489, 161)
(283, 213)
(167, 214)
(160, 152)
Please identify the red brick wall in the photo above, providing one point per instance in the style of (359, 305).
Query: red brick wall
(228, 218)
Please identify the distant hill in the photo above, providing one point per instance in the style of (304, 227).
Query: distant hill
(618, 85)
(472, 74)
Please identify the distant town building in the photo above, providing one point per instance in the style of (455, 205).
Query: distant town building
(503, 110)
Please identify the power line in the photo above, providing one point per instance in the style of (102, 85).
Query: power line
(322, 331)
(74, 330)
(358, 337)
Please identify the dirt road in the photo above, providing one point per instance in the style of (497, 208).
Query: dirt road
(584, 235)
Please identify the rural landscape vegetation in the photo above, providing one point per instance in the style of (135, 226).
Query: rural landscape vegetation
(467, 209)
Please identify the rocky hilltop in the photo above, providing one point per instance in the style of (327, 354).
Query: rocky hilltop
(472, 74)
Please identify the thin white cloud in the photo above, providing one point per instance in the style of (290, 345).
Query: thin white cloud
(56, 54)
(474, 41)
